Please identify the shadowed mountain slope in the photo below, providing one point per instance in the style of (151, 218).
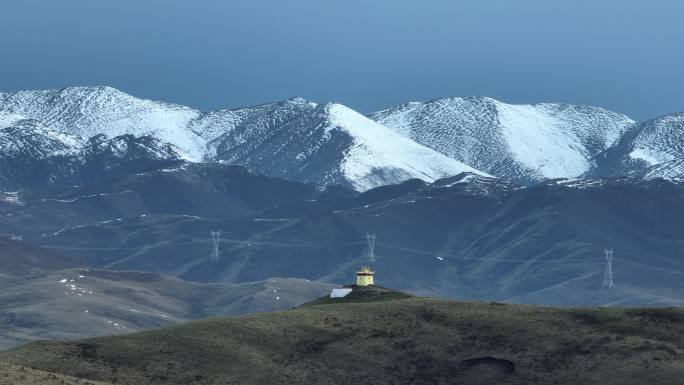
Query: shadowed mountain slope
(467, 236)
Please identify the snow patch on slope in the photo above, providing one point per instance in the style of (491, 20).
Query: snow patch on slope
(7, 119)
(33, 138)
(536, 142)
(651, 157)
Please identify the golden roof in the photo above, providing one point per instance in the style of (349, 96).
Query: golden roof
(365, 271)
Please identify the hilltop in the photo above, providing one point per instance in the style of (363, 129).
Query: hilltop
(401, 341)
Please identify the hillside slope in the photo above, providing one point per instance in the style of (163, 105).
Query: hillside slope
(18, 259)
(77, 303)
(521, 143)
(467, 236)
(480, 238)
(19, 375)
(411, 341)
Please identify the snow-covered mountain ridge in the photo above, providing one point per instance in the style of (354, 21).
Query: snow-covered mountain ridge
(328, 144)
(650, 149)
(294, 139)
(88, 111)
(523, 143)
(324, 144)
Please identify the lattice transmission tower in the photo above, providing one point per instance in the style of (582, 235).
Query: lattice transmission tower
(608, 273)
(371, 247)
(216, 239)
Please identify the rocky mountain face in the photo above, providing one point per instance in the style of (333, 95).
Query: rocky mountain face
(521, 143)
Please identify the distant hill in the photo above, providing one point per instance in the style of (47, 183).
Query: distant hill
(21, 259)
(77, 303)
(404, 341)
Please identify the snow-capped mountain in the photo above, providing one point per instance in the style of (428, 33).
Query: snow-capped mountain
(294, 139)
(30, 138)
(248, 125)
(332, 144)
(650, 149)
(29, 150)
(523, 143)
(326, 144)
(89, 111)
(34, 155)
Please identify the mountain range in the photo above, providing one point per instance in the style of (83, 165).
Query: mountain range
(522, 143)
(295, 139)
(330, 144)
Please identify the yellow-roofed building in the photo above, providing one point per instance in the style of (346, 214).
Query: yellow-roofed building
(364, 277)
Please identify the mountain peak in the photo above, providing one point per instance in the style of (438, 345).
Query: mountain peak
(649, 149)
(299, 100)
(523, 143)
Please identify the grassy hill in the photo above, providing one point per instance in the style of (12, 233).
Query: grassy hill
(77, 303)
(19, 375)
(395, 341)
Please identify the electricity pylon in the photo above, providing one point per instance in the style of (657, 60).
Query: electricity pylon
(216, 239)
(608, 273)
(371, 247)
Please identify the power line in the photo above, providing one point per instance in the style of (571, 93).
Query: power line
(247, 243)
(451, 256)
(240, 242)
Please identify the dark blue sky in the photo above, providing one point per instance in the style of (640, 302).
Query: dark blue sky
(625, 55)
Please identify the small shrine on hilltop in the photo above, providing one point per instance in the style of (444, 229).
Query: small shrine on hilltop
(364, 277)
